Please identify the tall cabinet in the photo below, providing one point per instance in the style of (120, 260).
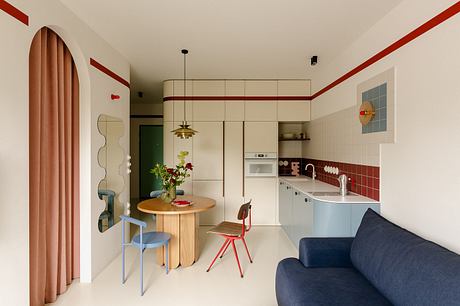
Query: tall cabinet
(228, 128)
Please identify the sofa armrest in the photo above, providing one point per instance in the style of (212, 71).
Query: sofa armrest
(325, 252)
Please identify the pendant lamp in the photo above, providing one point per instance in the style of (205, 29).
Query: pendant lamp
(184, 131)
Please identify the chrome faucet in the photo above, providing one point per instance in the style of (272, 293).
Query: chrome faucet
(313, 175)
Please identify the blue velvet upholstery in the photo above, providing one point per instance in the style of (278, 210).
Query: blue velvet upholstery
(325, 252)
(404, 267)
(297, 285)
(383, 265)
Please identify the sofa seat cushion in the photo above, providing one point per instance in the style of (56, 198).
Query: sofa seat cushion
(297, 285)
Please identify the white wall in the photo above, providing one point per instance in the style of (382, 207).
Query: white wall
(419, 173)
(97, 249)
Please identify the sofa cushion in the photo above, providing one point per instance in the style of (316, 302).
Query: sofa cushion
(404, 267)
(297, 285)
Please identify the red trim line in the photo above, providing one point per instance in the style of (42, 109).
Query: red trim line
(14, 12)
(433, 22)
(108, 72)
(238, 98)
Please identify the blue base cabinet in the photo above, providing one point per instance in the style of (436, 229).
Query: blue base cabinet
(302, 216)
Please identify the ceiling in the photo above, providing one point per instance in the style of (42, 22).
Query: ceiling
(226, 39)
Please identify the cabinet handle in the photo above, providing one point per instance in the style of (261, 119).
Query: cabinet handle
(296, 193)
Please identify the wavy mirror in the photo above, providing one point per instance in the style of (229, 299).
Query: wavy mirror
(110, 157)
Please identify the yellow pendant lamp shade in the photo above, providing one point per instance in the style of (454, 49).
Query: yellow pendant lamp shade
(184, 131)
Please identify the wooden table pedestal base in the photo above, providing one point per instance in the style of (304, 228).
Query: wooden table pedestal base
(184, 243)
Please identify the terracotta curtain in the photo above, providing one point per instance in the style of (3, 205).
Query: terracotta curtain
(54, 219)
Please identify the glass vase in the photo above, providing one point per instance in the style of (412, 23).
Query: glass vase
(169, 194)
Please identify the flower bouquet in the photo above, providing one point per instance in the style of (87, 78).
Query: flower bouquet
(172, 177)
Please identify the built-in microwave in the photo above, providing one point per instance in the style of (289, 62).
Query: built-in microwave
(261, 164)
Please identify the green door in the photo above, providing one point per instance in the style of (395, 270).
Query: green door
(151, 153)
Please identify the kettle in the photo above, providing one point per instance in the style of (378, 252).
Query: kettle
(343, 180)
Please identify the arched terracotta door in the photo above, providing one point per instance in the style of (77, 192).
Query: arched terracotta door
(54, 220)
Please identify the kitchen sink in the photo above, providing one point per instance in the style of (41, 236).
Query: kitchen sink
(329, 194)
(299, 179)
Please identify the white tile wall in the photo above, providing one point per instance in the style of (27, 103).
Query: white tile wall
(337, 137)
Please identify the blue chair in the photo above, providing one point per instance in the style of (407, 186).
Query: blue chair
(157, 193)
(142, 241)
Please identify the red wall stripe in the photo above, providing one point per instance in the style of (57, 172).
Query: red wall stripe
(430, 24)
(238, 98)
(14, 12)
(433, 22)
(108, 72)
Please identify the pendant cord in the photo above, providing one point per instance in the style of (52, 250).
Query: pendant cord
(185, 86)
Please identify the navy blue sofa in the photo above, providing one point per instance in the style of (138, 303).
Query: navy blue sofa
(383, 265)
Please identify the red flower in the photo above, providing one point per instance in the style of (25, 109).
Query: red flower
(189, 166)
(173, 181)
(170, 171)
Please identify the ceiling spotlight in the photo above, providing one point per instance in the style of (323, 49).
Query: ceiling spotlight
(314, 60)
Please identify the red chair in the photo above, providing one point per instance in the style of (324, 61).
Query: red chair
(232, 231)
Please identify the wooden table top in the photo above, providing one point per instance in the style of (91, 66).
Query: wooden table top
(158, 206)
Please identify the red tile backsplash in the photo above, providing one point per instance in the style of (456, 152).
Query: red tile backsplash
(365, 180)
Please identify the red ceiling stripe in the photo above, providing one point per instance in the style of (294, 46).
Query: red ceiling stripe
(433, 22)
(108, 72)
(438, 19)
(14, 12)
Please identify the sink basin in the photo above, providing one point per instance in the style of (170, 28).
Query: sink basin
(330, 193)
(298, 179)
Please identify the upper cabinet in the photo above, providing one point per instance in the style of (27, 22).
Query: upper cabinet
(234, 109)
(261, 137)
(291, 110)
(238, 100)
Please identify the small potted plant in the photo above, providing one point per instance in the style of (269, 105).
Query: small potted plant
(172, 177)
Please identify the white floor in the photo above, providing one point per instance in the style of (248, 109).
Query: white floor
(193, 285)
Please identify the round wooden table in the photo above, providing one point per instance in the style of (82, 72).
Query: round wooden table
(182, 223)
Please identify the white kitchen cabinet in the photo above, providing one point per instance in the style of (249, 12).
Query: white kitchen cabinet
(168, 88)
(168, 144)
(263, 192)
(234, 110)
(208, 110)
(297, 111)
(208, 87)
(261, 111)
(213, 190)
(261, 137)
(261, 88)
(178, 146)
(294, 88)
(208, 151)
(233, 169)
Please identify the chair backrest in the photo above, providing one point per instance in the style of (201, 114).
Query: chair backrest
(134, 221)
(243, 213)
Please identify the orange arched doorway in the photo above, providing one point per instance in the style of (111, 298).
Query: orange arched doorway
(54, 204)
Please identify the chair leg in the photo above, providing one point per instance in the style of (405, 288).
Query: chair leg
(122, 252)
(167, 257)
(236, 256)
(218, 253)
(222, 255)
(141, 271)
(247, 251)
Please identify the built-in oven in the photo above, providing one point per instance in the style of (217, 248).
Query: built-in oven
(261, 164)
